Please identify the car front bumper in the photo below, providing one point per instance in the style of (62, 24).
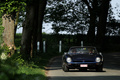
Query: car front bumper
(88, 65)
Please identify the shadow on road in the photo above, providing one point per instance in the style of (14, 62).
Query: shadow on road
(57, 65)
(87, 78)
(112, 60)
(111, 70)
(54, 68)
(89, 70)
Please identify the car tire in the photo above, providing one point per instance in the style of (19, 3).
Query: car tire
(65, 68)
(99, 69)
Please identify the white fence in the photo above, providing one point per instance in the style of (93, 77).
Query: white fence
(60, 46)
(44, 46)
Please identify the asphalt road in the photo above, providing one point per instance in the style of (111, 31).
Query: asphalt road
(111, 70)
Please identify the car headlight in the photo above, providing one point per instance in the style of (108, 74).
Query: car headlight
(98, 59)
(68, 59)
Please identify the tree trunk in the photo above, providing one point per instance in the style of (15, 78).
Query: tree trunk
(42, 6)
(91, 31)
(93, 14)
(27, 32)
(101, 29)
(8, 34)
(35, 31)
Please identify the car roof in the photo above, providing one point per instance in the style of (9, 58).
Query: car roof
(82, 47)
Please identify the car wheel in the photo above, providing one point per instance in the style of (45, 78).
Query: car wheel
(65, 68)
(99, 69)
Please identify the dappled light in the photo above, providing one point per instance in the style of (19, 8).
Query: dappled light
(85, 78)
(27, 55)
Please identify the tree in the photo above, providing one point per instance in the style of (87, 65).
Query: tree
(69, 16)
(101, 29)
(112, 27)
(9, 8)
(27, 31)
(32, 28)
(93, 8)
(41, 12)
(98, 10)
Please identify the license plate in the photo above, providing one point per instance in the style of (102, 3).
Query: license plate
(83, 65)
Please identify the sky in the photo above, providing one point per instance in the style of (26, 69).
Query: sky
(116, 3)
(47, 26)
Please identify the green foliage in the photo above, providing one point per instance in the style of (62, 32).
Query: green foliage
(69, 16)
(18, 40)
(10, 6)
(6, 49)
(8, 68)
(15, 68)
(1, 29)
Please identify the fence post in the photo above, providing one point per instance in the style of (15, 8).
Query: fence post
(60, 46)
(38, 47)
(44, 47)
(81, 43)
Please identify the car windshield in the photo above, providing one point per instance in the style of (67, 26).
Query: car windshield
(82, 50)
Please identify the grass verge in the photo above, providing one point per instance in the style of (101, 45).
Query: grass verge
(35, 70)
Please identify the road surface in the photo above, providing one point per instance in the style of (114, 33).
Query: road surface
(111, 70)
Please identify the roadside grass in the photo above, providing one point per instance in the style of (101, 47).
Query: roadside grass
(35, 69)
(30, 73)
(14, 69)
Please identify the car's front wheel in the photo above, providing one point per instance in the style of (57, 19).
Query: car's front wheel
(65, 68)
(99, 69)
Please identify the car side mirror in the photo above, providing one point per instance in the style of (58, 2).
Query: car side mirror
(100, 53)
(65, 53)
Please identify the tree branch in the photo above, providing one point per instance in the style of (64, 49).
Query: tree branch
(87, 3)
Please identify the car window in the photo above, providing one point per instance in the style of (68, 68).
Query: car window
(82, 50)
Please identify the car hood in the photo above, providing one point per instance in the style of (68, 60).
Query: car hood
(83, 58)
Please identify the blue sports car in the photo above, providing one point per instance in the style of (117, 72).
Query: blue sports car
(82, 58)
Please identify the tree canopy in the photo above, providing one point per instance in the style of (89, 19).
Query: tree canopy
(69, 16)
(73, 16)
(10, 6)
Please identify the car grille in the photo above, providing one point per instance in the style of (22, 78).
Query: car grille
(83, 61)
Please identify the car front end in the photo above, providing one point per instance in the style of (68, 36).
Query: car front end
(83, 61)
